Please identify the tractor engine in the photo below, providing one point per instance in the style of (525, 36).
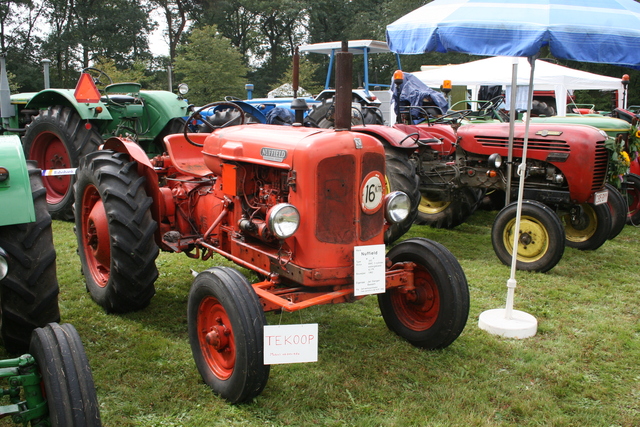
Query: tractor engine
(260, 193)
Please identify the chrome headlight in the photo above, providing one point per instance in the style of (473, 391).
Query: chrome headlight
(283, 220)
(495, 161)
(397, 206)
(4, 265)
(183, 89)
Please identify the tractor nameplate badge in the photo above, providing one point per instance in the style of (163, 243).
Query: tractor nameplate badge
(273, 154)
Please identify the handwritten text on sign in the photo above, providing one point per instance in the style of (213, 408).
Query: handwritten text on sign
(290, 344)
(369, 271)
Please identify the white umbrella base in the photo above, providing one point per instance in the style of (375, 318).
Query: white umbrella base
(520, 325)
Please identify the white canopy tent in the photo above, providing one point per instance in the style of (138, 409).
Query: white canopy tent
(498, 71)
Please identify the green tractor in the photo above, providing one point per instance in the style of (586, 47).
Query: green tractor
(60, 126)
(51, 383)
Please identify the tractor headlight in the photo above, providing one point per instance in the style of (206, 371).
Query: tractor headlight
(397, 206)
(183, 89)
(283, 220)
(4, 265)
(495, 161)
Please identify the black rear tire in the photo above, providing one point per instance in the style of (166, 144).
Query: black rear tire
(448, 214)
(587, 226)
(618, 208)
(58, 138)
(401, 176)
(631, 191)
(434, 314)
(66, 376)
(115, 232)
(226, 323)
(541, 236)
(29, 292)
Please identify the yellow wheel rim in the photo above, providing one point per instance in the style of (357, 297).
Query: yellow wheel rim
(585, 232)
(533, 240)
(432, 207)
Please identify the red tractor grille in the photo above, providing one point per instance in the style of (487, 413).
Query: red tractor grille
(600, 166)
(336, 193)
(518, 143)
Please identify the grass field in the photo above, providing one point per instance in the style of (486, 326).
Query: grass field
(581, 369)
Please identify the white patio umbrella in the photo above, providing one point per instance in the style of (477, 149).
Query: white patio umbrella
(601, 31)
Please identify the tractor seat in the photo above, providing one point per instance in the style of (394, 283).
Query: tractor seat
(187, 158)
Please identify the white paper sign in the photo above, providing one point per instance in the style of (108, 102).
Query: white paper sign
(369, 272)
(290, 344)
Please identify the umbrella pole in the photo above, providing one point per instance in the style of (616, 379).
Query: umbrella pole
(509, 322)
(512, 120)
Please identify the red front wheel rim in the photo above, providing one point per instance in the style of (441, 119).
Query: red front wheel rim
(418, 309)
(215, 336)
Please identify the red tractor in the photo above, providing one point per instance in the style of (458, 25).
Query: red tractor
(292, 204)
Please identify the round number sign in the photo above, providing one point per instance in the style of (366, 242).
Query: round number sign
(372, 192)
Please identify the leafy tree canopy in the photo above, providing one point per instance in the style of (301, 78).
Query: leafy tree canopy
(210, 66)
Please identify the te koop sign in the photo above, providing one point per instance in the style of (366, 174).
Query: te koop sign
(290, 344)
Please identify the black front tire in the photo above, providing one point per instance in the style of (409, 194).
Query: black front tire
(115, 232)
(66, 376)
(58, 138)
(226, 323)
(435, 313)
(401, 176)
(541, 238)
(29, 292)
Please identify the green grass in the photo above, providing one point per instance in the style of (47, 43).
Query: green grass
(581, 369)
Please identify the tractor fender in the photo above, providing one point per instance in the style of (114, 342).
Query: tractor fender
(160, 108)
(145, 169)
(50, 97)
(15, 187)
(388, 135)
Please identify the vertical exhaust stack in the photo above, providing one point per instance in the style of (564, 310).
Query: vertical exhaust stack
(297, 105)
(342, 102)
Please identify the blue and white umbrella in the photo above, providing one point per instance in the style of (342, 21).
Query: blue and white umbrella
(601, 31)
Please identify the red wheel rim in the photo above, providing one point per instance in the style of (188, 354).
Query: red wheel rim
(95, 236)
(418, 309)
(49, 152)
(633, 199)
(216, 339)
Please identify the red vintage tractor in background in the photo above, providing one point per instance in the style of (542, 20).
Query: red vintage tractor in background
(292, 204)
(566, 170)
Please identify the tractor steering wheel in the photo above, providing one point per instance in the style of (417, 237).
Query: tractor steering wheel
(95, 74)
(197, 116)
(452, 115)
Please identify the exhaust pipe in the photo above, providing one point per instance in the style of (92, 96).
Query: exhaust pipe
(342, 102)
(297, 105)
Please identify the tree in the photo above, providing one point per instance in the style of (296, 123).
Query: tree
(176, 14)
(210, 66)
(83, 30)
